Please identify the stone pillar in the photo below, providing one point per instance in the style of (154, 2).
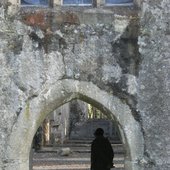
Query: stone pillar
(31, 158)
(22, 164)
(132, 165)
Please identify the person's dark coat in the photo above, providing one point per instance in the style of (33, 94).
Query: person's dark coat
(101, 154)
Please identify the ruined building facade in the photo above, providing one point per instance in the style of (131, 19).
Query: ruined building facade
(115, 57)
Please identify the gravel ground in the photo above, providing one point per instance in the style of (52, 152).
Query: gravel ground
(52, 160)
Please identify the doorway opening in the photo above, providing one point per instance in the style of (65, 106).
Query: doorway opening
(63, 140)
(60, 93)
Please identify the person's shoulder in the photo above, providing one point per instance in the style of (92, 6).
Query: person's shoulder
(107, 140)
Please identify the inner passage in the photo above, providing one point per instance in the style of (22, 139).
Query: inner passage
(63, 141)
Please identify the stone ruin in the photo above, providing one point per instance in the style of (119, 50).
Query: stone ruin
(117, 58)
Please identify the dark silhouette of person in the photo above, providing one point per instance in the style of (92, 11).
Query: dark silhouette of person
(38, 139)
(102, 153)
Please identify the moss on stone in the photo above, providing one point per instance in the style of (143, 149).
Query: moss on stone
(27, 110)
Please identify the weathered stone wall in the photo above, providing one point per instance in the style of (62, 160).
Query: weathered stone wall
(154, 82)
(42, 48)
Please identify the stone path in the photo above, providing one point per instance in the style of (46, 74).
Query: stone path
(78, 159)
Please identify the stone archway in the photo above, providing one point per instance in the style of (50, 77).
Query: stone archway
(56, 95)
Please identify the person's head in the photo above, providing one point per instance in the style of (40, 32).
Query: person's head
(99, 132)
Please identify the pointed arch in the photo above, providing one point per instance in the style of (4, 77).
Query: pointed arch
(60, 93)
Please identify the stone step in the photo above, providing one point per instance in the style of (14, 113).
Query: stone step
(75, 167)
(118, 157)
(87, 141)
(81, 148)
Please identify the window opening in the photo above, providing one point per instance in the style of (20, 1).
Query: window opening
(77, 2)
(35, 2)
(119, 2)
